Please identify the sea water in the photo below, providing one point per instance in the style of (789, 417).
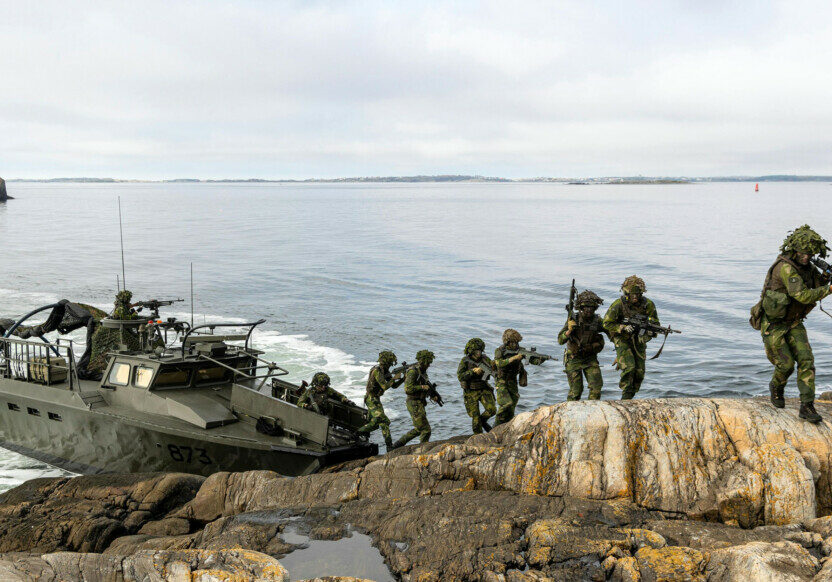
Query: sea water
(343, 271)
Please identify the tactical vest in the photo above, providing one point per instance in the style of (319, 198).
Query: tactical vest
(582, 338)
(319, 400)
(373, 387)
(510, 371)
(475, 383)
(421, 380)
(777, 303)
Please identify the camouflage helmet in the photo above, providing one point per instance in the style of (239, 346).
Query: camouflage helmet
(512, 335)
(587, 299)
(633, 284)
(387, 358)
(424, 356)
(474, 344)
(123, 296)
(320, 379)
(804, 240)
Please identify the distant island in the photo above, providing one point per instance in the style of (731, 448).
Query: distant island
(446, 178)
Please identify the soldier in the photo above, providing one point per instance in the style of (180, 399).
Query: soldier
(106, 340)
(583, 337)
(316, 397)
(418, 388)
(792, 288)
(475, 388)
(509, 372)
(630, 347)
(378, 383)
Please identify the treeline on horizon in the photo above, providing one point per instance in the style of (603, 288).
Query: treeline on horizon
(453, 178)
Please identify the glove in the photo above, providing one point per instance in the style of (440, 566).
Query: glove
(570, 326)
(516, 358)
(477, 371)
(628, 329)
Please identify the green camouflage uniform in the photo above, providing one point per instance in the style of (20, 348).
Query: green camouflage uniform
(378, 383)
(415, 381)
(317, 396)
(506, 374)
(476, 391)
(630, 349)
(580, 358)
(106, 340)
(790, 293)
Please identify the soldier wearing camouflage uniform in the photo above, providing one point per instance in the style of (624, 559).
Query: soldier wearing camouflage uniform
(378, 383)
(583, 337)
(475, 387)
(106, 340)
(317, 396)
(792, 288)
(630, 347)
(417, 388)
(509, 372)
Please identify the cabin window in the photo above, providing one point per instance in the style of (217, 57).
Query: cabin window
(143, 376)
(167, 378)
(33, 411)
(210, 375)
(119, 375)
(55, 416)
(13, 406)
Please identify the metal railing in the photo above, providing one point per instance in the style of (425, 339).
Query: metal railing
(38, 362)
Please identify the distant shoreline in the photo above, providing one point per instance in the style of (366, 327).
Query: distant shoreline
(445, 179)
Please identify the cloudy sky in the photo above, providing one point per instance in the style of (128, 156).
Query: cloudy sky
(279, 89)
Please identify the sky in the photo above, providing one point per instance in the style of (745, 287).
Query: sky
(313, 89)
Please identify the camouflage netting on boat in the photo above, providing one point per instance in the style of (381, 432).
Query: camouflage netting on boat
(64, 318)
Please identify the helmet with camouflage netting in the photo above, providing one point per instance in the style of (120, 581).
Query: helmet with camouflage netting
(804, 240)
(510, 335)
(387, 358)
(587, 299)
(320, 379)
(424, 356)
(474, 344)
(633, 284)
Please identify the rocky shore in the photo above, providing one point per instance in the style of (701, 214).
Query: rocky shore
(667, 489)
(3, 195)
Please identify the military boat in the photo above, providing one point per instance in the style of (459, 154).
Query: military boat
(195, 399)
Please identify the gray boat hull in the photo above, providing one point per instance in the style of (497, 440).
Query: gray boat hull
(88, 441)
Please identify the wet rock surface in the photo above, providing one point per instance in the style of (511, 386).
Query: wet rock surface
(681, 489)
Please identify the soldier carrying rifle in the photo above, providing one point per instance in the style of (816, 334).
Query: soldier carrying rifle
(631, 322)
(419, 388)
(583, 337)
(509, 372)
(472, 373)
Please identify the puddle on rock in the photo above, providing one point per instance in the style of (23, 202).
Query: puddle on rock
(350, 556)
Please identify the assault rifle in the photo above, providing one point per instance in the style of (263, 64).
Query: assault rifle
(486, 369)
(824, 267)
(570, 307)
(432, 394)
(826, 273)
(154, 304)
(402, 369)
(528, 354)
(644, 327)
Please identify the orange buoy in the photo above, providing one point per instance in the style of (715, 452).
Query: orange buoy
(756, 187)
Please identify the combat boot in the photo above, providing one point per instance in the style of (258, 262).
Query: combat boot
(485, 426)
(808, 412)
(628, 395)
(388, 442)
(777, 398)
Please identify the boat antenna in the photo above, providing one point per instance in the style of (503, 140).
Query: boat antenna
(118, 285)
(192, 294)
(121, 237)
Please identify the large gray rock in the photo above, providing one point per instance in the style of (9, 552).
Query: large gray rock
(643, 490)
(3, 195)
